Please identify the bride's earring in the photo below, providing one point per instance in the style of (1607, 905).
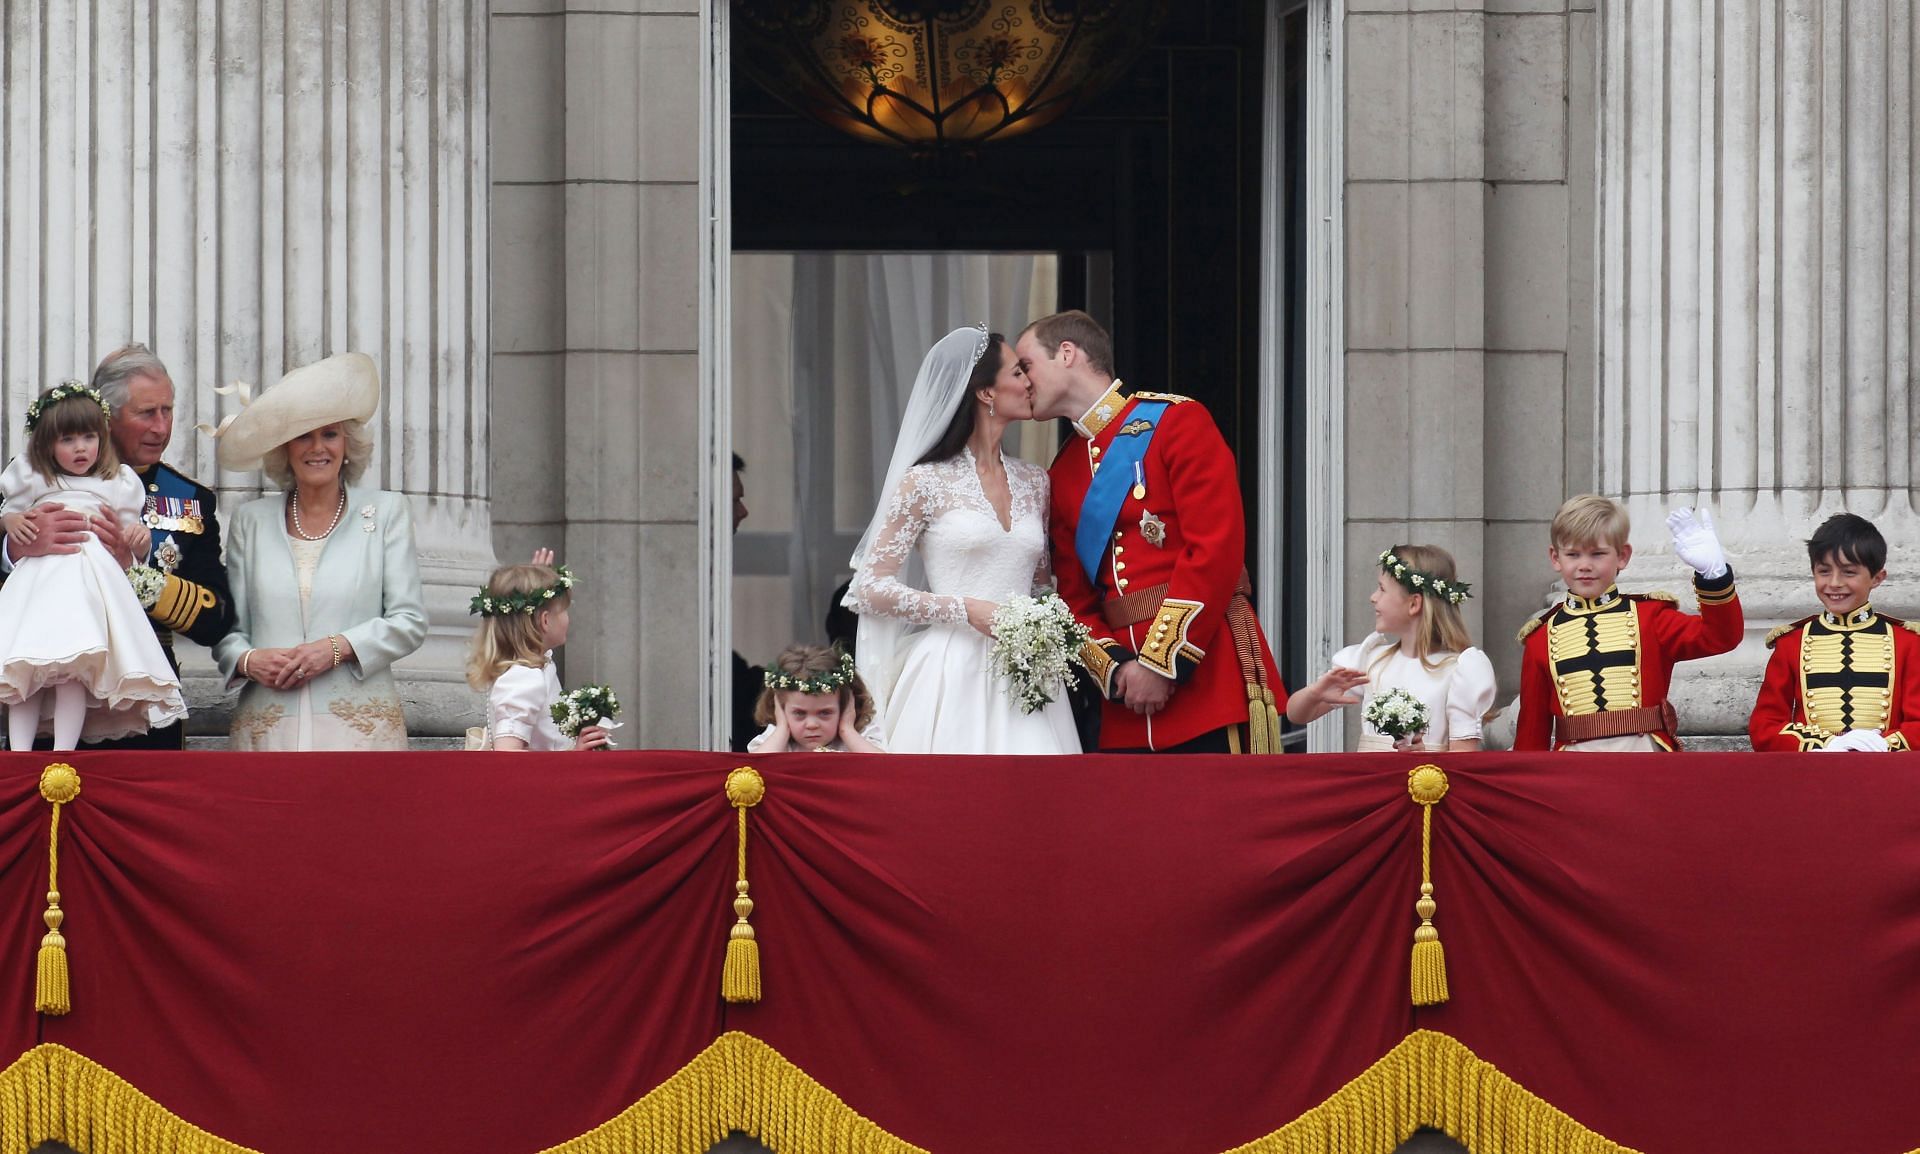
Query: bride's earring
(989, 408)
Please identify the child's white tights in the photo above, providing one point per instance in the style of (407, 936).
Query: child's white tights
(69, 714)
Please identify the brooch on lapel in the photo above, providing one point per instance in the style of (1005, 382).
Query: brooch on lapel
(366, 519)
(1154, 530)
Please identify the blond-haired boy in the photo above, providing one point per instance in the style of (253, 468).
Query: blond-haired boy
(1595, 677)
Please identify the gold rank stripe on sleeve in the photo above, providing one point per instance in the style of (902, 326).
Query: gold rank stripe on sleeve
(1166, 644)
(1595, 659)
(1715, 596)
(1847, 676)
(181, 603)
(1897, 743)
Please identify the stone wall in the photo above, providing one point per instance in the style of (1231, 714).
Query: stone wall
(1469, 221)
(597, 437)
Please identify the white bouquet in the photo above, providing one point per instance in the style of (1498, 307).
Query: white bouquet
(587, 705)
(1397, 714)
(1035, 641)
(148, 583)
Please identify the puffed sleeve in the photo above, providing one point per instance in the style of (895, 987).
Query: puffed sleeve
(763, 743)
(1469, 695)
(517, 702)
(18, 485)
(1350, 657)
(875, 734)
(128, 499)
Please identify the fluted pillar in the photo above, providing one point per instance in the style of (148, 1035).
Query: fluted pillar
(251, 185)
(1757, 309)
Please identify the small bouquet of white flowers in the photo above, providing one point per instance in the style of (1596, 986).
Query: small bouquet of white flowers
(148, 583)
(1397, 714)
(1035, 641)
(587, 705)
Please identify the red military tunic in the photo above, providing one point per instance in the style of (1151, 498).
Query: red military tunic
(1828, 675)
(1189, 533)
(1614, 653)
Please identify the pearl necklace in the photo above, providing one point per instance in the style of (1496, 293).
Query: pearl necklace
(293, 502)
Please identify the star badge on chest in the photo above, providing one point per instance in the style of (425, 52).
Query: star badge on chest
(1154, 530)
(168, 554)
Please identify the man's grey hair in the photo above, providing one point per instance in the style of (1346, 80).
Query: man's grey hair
(114, 378)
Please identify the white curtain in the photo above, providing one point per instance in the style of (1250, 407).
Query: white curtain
(825, 350)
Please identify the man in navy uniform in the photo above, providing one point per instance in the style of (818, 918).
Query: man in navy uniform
(184, 536)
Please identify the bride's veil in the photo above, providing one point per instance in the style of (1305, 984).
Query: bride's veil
(937, 393)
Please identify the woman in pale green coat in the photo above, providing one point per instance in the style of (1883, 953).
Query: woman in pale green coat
(326, 585)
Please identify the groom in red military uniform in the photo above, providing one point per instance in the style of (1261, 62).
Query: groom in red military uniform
(1149, 547)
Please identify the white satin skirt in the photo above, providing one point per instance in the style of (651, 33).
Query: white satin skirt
(947, 700)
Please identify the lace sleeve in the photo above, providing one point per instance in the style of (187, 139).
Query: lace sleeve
(877, 590)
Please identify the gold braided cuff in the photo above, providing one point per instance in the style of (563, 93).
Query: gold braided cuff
(1103, 656)
(180, 604)
(1898, 744)
(1167, 650)
(1810, 737)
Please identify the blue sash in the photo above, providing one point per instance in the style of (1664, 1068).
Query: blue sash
(1100, 508)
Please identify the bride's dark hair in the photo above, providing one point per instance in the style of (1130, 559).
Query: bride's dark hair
(961, 427)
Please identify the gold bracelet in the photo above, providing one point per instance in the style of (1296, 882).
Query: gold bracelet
(244, 658)
(334, 640)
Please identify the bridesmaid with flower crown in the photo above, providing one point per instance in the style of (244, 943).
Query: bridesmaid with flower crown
(1419, 644)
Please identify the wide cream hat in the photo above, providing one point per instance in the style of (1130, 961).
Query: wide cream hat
(345, 387)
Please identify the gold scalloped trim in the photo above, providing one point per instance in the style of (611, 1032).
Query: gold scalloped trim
(1432, 1079)
(52, 1094)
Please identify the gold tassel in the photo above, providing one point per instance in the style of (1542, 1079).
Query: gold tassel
(52, 993)
(1257, 720)
(1272, 714)
(740, 976)
(1427, 784)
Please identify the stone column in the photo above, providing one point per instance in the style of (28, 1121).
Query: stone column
(248, 186)
(1756, 308)
(1416, 326)
(600, 441)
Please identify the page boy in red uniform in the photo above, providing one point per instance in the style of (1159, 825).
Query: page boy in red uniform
(1149, 546)
(1595, 668)
(1845, 678)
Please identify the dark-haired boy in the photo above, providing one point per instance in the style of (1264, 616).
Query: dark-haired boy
(1845, 678)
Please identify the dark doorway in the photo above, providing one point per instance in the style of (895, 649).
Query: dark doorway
(1152, 198)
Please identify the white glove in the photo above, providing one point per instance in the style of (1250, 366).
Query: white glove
(1695, 542)
(1858, 740)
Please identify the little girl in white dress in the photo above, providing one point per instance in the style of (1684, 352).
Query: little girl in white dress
(525, 611)
(1419, 644)
(71, 627)
(814, 702)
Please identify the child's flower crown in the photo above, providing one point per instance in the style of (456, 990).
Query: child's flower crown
(488, 604)
(61, 392)
(832, 681)
(1419, 581)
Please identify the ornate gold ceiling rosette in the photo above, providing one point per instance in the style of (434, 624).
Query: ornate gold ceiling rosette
(928, 75)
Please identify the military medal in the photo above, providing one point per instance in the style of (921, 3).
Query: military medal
(1139, 482)
(1154, 530)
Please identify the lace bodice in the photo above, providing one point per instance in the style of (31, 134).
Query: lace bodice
(941, 508)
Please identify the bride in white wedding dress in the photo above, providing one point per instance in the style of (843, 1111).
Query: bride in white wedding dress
(960, 529)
